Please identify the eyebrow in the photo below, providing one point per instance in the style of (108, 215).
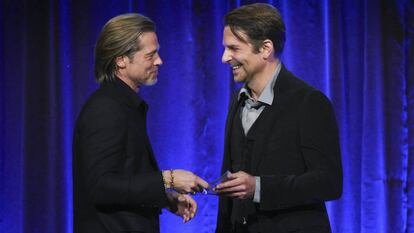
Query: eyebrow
(152, 52)
(232, 46)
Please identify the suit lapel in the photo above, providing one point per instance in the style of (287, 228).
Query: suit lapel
(268, 119)
(143, 107)
(229, 123)
(137, 104)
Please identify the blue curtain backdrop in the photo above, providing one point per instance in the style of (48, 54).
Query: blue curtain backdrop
(359, 52)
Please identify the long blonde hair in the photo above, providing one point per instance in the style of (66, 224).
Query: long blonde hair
(119, 37)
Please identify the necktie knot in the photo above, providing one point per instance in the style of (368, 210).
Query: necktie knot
(250, 103)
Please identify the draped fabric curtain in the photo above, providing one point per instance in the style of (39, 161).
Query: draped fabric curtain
(360, 53)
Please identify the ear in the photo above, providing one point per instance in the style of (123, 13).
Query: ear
(267, 49)
(121, 61)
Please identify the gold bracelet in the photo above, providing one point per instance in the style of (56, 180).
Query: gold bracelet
(163, 181)
(172, 178)
(167, 185)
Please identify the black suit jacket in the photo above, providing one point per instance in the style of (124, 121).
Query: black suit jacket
(116, 181)
(297, 156)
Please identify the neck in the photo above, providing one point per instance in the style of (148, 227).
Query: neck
(260, 80)
(129, 82)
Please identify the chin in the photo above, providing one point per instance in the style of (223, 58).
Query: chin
(151, 82)
(239, 79)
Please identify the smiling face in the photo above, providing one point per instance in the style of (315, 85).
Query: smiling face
(245, 63)
(141, 69)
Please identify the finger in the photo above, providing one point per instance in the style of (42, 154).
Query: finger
(227, 194)
(193, 207)
(233, 189)
(239, 195)
(188, 202)
(236, 175)
(233, 175)
(185, 200)
(191, 215)
(201, 190)
(191, 204)
(187, 212)
(201, 183)
(229, 184)
(196, 188)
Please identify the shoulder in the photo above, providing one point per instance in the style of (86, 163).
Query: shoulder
(102, 98)
(102, 104)
(298, 87)
(291, 83)
(295, 93)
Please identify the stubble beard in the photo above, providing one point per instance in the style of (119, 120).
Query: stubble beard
(240, 76)
(152, 80)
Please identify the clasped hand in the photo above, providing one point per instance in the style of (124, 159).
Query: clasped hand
(182, 205)
(183, 182)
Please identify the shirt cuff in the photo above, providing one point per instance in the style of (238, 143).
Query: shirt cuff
(256, 197)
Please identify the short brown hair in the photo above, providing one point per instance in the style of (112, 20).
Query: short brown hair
(118, 37)
(259, 22)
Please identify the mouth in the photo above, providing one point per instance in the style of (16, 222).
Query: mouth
(235, 66)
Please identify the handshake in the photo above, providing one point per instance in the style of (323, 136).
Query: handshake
(235, 185)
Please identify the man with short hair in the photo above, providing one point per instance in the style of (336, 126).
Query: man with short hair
(281, 143)
(117, 184)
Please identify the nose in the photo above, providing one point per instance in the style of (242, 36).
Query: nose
(158, 61)
(225, 58)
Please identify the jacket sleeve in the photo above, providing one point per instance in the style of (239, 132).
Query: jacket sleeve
(319, 148)
(102, 132)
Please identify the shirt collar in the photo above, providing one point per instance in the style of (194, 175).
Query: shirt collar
(268, 93)
(127, 93)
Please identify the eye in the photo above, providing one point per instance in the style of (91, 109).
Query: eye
(233, 48)
(150, 56)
